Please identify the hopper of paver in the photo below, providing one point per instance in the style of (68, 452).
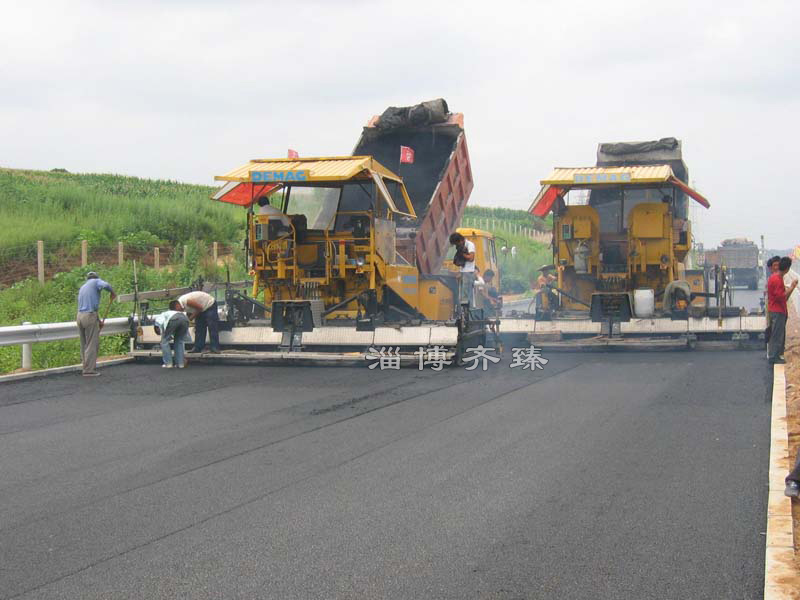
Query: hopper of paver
(439, 180)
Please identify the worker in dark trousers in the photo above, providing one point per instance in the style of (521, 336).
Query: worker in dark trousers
(202, 308)
(777, 296)
(173, 324)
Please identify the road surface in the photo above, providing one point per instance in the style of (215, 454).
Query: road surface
(600, 476)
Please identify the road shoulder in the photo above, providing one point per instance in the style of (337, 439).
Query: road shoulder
(57, 370)
(781, 573)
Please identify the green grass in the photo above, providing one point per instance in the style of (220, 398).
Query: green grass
(509, 216)
(61, 208)
(516, 273)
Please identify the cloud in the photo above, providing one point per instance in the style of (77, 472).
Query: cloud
(186, 90)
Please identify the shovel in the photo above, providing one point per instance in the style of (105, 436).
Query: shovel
(108, 309)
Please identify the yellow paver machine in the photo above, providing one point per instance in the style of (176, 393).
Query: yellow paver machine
(347, 256)
(621, 253)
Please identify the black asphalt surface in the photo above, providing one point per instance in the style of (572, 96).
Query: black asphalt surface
(600, 476)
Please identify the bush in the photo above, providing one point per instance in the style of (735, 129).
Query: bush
(140, 240)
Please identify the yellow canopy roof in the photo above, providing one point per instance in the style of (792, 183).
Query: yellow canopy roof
(563, 179)
(326, 168)
(271, 173)
(608, 175)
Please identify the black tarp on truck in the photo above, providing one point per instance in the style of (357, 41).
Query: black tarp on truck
(439, 181)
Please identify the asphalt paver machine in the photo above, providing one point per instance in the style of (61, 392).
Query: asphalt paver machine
(621, 243)
(347, 255)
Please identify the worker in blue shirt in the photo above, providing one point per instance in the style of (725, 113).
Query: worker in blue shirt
(89, 323)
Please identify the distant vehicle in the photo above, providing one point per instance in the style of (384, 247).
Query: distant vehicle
(741, 258)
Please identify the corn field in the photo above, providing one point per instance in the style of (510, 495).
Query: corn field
(61, 208)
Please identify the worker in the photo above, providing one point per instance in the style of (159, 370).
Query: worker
(545, 276)
(89, 323)
(491, 297)
(464, 259)
(493, 305)
(173, 324)
(777, 296)
(265, 208)
(543, 282)
(202, 308)
(772, 267)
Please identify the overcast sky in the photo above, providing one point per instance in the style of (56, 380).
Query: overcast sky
(191, 89)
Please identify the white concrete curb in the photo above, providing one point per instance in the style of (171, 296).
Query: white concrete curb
(781, 574)
(57, 370)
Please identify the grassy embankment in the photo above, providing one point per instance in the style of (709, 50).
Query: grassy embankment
(63, 208)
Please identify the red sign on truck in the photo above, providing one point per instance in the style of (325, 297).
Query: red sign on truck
(406, 154)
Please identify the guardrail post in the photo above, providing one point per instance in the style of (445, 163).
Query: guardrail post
(40, 260)
(120, 258)
(155, 258)
(84, 253)
(215, 252)
(27, 354)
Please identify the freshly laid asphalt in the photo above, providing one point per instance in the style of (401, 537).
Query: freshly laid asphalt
(599, 476)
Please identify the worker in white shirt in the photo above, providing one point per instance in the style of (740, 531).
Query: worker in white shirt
(465, 261)
(265, 208)
(173, 324)
(202, 308)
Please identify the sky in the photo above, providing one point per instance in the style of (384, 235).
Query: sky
(187, 90)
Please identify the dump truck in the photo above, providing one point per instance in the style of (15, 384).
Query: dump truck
(621, 236)
(740, 257)
(347, 253)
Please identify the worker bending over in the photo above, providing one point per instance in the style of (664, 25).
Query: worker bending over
(202, 308)
(173, 324)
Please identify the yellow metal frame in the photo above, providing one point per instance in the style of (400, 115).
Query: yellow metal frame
(277, 273)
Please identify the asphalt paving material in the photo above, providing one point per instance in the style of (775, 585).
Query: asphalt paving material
(598, 476)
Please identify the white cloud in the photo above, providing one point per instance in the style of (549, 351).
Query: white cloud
(186, 90)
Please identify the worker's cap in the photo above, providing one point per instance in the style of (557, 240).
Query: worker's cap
(92, 275)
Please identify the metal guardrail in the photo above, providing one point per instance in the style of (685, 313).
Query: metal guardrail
(53, 332)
